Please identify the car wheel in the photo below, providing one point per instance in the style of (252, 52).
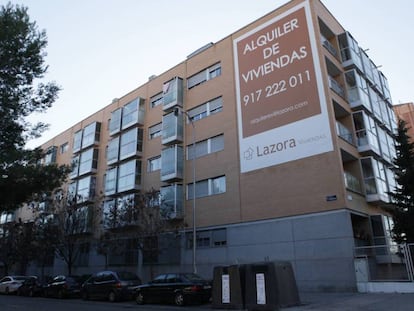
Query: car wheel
(179, 299)
(139, 298)
(112, 297)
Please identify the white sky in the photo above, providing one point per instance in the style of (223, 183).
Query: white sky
(102, 49)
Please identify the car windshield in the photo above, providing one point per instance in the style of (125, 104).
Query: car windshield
(127, 276)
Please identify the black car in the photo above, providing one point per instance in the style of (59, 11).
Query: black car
(178, 288)
(110, 285)
(63, 286)
(31, 287)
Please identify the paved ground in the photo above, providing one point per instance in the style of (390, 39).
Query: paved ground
(354, 301)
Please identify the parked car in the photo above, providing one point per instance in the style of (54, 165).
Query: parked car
(62, 286)
(110, 285)
(10, 283)
(178, 288)
(31, 287)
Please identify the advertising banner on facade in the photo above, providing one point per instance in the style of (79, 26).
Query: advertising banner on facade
(281, 105)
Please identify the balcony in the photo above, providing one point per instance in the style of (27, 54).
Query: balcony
(172, 93)
(352, 183)
(336, 87)
(172, 202)
(329, 46)
(172, 163)
(344, 133)
(172, 128)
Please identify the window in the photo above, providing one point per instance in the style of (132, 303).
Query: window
(207, 187)
(77, 141)
(172, 163)
(154, 164)
(209, 238)
(132, 113)
(86, 189)
(203, 76)
(110, 181)
(115, 121)
(172, 128)
(129, 175)
(64, 148)
(206, 109)
(131, 143)
(112, 151)
(205, 147)
(172, 92)
(88, 161)
(156, 100)
(155, 131)
(75, 167)
(50, 156)
(91, 134)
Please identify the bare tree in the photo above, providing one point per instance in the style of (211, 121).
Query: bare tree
(138, 221)
(64, 226)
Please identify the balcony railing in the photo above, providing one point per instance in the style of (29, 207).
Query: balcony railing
(336, 87)
(352, 183)
(329, 46)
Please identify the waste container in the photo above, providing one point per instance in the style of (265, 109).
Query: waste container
(228, 287)
(288, 294)
(261, 291)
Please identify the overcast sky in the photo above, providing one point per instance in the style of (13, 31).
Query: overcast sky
(101, 49)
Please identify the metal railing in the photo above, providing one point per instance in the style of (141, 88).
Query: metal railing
(388, 262)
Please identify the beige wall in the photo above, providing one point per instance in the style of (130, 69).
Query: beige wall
(292, 188)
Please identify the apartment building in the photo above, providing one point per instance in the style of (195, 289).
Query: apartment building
(406, 112)
(279, 137)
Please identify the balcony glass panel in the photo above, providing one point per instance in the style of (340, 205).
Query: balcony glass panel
(350, 51)
(173, 93)
(75, 167)
(133, 113)
(110, 181)
(91, 134)
(357, 90)
(129, 175)
(172, 128)
(112, 152)
(77, 141)
(131, 143)
(172, 163)
(352, 183)
(344, 133)
(172, 202)
(336, 87)
(366, 132)
(88, 161)
(86, 189)
(115, 121)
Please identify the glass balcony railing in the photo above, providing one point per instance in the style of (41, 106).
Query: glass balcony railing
(336, 87)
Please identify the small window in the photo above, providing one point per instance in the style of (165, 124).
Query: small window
(155, 131)
(156, 100)
(64, 148)
(154, 164)
(204, 110)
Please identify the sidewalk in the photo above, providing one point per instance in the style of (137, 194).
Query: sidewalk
(354, 301)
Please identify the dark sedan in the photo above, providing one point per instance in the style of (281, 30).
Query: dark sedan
(110, 285)
(177, 288)
(31, 287)
(62, 286)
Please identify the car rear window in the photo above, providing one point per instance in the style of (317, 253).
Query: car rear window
(127, 276)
